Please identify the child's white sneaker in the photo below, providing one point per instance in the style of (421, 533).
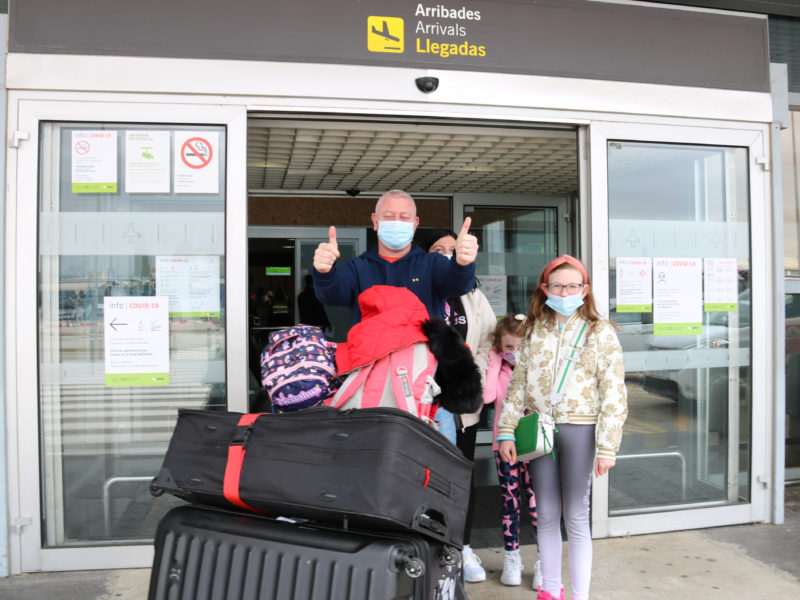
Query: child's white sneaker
(473, 571)
(512, 568)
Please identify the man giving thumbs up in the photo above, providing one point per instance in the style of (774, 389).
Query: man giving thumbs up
(395, 261)
(326, 254)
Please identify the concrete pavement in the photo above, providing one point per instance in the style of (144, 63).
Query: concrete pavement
(745, 561)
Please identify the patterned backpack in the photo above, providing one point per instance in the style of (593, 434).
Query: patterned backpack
(298, 368)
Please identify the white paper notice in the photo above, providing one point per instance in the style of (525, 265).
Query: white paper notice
(191, 283)
(136, 334)
(634, 285)
(677, 296)
(494, 287)
(721, 283)
(196, 162)
(94, 162)
(147, 162)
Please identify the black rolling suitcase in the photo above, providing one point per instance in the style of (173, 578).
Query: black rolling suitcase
(210, 554)
(372, 468)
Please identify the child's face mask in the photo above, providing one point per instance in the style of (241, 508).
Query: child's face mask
(510, 357)
(565, 305)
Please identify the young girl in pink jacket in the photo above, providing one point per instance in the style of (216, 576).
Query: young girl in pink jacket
(515, 481)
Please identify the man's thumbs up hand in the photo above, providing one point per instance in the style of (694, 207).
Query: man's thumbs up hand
(466, 245)
(327, 252)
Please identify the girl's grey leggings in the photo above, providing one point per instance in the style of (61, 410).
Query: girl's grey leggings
(562, 487)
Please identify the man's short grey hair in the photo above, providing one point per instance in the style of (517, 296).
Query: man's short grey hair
(399, 193)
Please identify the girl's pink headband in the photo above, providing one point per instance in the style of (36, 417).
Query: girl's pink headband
(565, 259)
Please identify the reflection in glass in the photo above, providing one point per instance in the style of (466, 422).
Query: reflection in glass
(793, 385)
(687, 439)
(514, 246)
(101, 444)
(790, 170)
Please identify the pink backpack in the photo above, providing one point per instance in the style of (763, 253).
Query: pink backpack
(401, 379)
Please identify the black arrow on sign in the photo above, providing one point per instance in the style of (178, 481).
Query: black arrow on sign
(114, 323)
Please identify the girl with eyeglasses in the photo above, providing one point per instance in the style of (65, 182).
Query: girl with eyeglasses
(587, 397)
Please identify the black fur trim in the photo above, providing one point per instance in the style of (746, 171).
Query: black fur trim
(456, 371)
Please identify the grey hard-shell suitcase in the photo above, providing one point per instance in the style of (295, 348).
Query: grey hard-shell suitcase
(220, 555)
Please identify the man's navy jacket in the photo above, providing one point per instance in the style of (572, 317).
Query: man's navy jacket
(431, 276)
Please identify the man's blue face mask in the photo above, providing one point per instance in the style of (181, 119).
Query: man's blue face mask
(395, 234)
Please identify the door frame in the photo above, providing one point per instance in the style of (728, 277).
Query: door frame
(567, 219)
(22, 389)
(357, 236)
(566, 213)
(756, 139)
(308, 234)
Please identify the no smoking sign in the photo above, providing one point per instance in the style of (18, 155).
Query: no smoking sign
(82, 147)
(196, 153)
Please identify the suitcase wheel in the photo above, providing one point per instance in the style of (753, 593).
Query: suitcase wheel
(412, 565)
(414, 568)
(155, 490)
(450, 555)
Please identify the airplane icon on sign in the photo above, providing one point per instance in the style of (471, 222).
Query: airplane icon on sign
(385, 33)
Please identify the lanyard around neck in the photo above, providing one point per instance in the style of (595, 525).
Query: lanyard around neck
(565, 369)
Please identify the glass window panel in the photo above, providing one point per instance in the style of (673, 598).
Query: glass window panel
(793, 384)
(784, 44)
(125, 212)
(514, 246)
(790, 171)
(687, 438)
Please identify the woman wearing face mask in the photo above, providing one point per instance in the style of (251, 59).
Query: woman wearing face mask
(473, 317)
(587, 398)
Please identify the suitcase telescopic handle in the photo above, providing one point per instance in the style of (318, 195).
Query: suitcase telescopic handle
(427, 521)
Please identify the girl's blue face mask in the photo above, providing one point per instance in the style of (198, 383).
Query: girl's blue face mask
(565, 305)
(395, 234)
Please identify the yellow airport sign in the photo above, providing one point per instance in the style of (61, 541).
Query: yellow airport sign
(385, 34)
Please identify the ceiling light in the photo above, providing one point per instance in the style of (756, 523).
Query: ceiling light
(268, 165)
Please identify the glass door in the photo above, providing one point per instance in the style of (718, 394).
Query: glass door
(352, 242)
(121, 295)
(131, 316)
(280, 260)
(518, 236)
(280, 293)
(682, 235)
(792, 465)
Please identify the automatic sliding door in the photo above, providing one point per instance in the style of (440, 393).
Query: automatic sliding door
(279, 260)
(682, 213)
(683, 278)
(517, 237)
(131, 316)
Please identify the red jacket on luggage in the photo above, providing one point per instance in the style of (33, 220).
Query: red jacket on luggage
(393, 318)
